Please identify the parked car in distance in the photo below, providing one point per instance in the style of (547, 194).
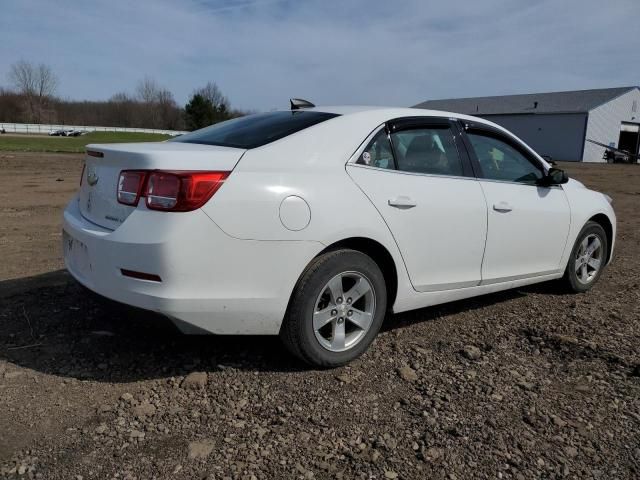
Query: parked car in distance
(315, 223)
(56, 133)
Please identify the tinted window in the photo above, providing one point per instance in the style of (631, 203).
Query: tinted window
(427, 150)
(255, 130)
(501, 161)
(378, 153)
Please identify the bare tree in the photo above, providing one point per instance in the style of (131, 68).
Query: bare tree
(213, 94)
(37, 83)
(148, 90)
(159, 109)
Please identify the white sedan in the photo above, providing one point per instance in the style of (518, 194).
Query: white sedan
(314, 223)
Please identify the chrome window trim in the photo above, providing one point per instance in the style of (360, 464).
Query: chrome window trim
(404, 172)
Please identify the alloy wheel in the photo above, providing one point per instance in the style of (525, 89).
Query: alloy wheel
(344, 311)
(588, 260)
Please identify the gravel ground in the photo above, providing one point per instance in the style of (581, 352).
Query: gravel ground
(531, 383)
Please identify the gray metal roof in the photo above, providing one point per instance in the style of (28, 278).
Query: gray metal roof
(577, 101)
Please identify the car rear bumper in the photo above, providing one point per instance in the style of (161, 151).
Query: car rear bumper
(209, 281)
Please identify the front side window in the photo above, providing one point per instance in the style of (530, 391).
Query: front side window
(378, 153)
(501, 161)
(427, 150)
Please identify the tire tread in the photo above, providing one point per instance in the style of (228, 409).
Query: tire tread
(290, 332)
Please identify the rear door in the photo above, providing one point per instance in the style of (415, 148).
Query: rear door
(528, 224)
(417, 174)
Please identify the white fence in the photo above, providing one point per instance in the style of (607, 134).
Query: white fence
(37, 128)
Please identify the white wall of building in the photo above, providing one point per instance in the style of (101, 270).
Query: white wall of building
(604, 122)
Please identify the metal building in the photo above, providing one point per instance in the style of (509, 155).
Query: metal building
(558, 124)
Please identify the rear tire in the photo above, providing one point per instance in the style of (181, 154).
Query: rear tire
(336, 309)
(588, 258)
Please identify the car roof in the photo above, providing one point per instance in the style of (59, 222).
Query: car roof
(392, 112)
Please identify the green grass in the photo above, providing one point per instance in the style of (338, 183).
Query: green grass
(19, 143)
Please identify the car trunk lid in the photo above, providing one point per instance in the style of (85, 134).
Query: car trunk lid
(103, 164)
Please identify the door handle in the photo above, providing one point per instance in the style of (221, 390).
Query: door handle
(502, 207)
(402, 202)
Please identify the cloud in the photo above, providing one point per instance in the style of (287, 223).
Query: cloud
(261, 52)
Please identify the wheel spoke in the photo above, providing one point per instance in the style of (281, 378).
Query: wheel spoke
(322, 317)
(584, 274)
(594, 263)
(594, 246)
(578, 266)
(361, 319)
(360, 288)
(338, 340)
(584, 245)
(335, 289)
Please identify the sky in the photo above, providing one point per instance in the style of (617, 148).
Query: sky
(366, 52)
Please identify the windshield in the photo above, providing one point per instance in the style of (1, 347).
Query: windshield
(255, 130)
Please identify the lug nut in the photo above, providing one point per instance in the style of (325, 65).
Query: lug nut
(349, 313)
(340, 320)
(334, 312)
(349, 300)
(339, 300)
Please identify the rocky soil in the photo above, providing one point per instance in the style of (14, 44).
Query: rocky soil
(532, 383)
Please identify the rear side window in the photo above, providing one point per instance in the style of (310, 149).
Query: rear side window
(378, 153)
(255, 130)
(427, 150)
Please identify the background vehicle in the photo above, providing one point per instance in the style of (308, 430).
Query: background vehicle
(313, 223)
(616, 155)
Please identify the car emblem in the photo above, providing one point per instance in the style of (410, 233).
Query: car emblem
(92, 178)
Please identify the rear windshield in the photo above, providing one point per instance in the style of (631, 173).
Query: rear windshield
(255, 130)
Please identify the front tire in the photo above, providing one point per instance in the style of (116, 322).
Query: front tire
(336, 309)
(588, 258)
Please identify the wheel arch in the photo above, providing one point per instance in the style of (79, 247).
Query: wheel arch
(604, 221)
(379, 254)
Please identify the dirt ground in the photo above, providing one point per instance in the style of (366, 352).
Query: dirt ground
(531, 383)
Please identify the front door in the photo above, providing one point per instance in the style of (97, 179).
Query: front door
(528, 224)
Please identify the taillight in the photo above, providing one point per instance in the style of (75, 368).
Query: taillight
(84, 165)
(130, 185)
(182, 191)
(175, 191)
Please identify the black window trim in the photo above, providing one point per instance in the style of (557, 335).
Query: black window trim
(492, 132)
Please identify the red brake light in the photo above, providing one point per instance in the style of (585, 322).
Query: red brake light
(176, 191)
(130, 186)
(181, 191)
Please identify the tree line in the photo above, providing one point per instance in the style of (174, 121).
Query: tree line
(31, 98)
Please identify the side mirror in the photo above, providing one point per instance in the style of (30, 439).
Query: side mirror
(554, 176)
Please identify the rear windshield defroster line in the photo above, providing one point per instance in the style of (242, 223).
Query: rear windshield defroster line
(256, 130)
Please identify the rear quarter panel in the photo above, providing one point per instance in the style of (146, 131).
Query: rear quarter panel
(312, 165)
